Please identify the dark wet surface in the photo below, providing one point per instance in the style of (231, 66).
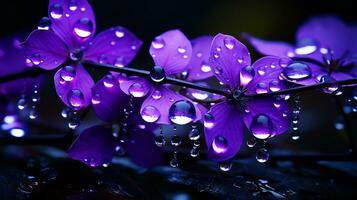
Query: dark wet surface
(46, 173)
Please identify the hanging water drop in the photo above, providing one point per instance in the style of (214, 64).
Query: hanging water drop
(251, 142)
(182, 112)
(33, 113)
(174, 161)
(262, 155)
(157, 74)
(44, 24)
(74, 123)
(21, 104)
(194, 134)
(160, 141)
(194, 152)
(225, 165)
(261, 126)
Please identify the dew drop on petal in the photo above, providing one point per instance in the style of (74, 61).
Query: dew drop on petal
(119, 33)
(305, 47)
(56, 11)
(137, 90)
(156, 94)
(205, 67)
(229, 43)
(283, 62)
(68, 73)
(83, 28)
(261, 126)
(96, 99)
(209, 120)
(296, 71)
(75, 98)
(246, 75)
(275, 85)
(72, 5)
(158, 43)
(182, 112)
(261, 88)
(109, 81)
(119, 62)
(36, 59)
(181, 50)
(176, 140)
(150, 114)
(328, 79)
(220, 144)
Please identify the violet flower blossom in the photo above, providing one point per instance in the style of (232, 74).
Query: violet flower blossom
(70, 41)
(325, 51)
(171, 53)
(264, 117)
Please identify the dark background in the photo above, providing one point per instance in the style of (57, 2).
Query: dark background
(274, 20)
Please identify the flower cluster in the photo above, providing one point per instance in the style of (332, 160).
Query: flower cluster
(136, 106)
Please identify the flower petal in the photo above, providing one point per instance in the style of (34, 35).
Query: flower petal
(116, 46)
(45, 49)
(339, 76)
(227, 57)
(277, 110)
(94, 147)
(328, 32)
(111, 101)
(172, 51)
(73, 21)
(225, 137)
(160, 100)
(77, 92)
(199, 67)
(267, 72)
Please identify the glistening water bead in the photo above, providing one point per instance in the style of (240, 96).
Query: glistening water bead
(83, 28)
(76, 98)
(157, 74)
(261, 126)
(262, 155)
(150, 114)
(220, 144)
(68, 73)
(182, 112)
(44, 24)
(296, 71)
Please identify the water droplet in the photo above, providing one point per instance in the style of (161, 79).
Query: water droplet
(194, 134)
(73, 123)
(174, 161)
(35, 97)
(275, 85)
(36, 59)
(261, 126)
(83, 28)
(75, 98)
(137, 90)
(76, 54)
(156, 94)
(209, 120)
(182, 112)
(17, 132)
(96, 99)
(261, 70)
(66, 112)
(157, 74)
(194, 152)
(68, 73)
(246, 75)
(283, 62)
(305, 47)
(205, 67)
(262, 155)
(220, 144)
(176, 140)
(181, 50)
(150, 114)
(56, 11)
(229, 43)
(339, 123)
(296, 71)
(158, 43)
(261, 88)
(44, 24)
(119, 32)
(160, 141)
(295, 135)
(21, 104)
(33, 113)
(225, 165)
(72, 5)
(120, 62)
(328, 79)
(108, 81)
(251, 142)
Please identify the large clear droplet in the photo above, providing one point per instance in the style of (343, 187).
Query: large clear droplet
(157, 74)
(246, 75)
(262, 155)
(150, 114)
(83, 28)
(56, 11)
(220, 144)
(36, 59)
(296, 71)
(328, 79)
(261, 126)
(76, 99)
(44, 24)
(182, 112)
(68, 73)
(137, 90)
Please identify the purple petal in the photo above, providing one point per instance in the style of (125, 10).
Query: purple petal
(109, 102)
(73, 21)
(94, 147)
(172, 51)
(45, 49)
(160, 101)
(225, 137)
(277, 110)
(116, 46)
(267, 72)
(228, 56)
(199, 67)
(339, 76)
(77, 92)
(142, 150)
(352, 57)
(140, 89)
(273, 48)
(327, 32)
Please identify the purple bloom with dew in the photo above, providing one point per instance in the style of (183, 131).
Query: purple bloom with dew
(325, 51)
(264, 117)
(67, 39)
(171, 53)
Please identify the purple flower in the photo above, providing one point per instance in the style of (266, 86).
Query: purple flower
(171, 53)
(70, 41)
(264, 117)
(325, 46)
